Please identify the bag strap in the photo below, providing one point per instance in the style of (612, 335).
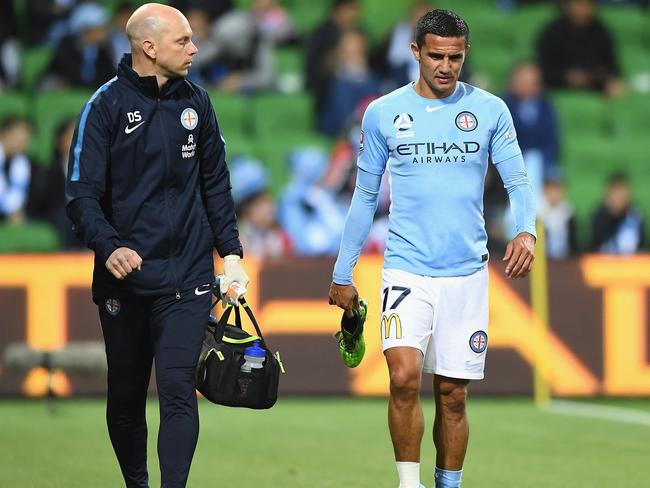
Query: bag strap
(220, 329)
(253, 320)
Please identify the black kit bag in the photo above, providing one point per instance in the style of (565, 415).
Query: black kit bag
(219, 377)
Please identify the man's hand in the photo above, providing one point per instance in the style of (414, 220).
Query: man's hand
(520, 255)
(122, 261)
(233, 272)
(344, 296)
(577, 78)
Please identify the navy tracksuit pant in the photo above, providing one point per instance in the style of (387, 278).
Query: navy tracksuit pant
(137, 332)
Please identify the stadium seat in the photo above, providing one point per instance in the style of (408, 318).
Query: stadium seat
(306, 15)
(52, 108)
(28, 237)
(585, 196)
(275, 151)
(493, 65)
(603, 153)
(527, 23)
(581, 113)
(239, 144)
(279, 113)
(233, 112)
(13, 103)
(34, 61)
(629, 25)
(634, 60)
(588, 160)
(289, 60)
(629, 116)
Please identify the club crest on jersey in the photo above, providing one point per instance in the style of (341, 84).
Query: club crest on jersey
(478, 341)
(113, 306)
(189, 118)
(466, 121)
(404, 123)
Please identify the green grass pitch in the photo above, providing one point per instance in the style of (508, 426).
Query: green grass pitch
(329, 443)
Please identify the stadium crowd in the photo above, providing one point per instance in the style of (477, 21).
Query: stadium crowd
(343, 71)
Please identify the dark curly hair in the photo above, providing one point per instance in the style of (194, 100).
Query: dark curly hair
(443, 23)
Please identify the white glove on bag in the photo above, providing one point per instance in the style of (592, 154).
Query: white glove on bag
(233, 272)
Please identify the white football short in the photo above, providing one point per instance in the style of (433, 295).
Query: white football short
(445, 318)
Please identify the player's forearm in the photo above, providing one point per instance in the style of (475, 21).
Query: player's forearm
(520, 193)
(357, 225)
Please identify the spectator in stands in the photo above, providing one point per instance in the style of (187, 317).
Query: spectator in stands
(321, 49)
(352, 82)
(47, 20)
(233, 55)
(617, 225)
(403, 66)
(341, 172)
(47, 188)
(576, 51)
(341, 175)
(259, 229)
(274, 22)
(206, 68)
(535, 122)
(117, 37)
(310, 213)
(82, 59)
(213, 8)
(556, 213)
(15, 168)
(9, 47)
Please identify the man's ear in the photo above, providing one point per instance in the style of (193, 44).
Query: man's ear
(416, 51)
(149, 48)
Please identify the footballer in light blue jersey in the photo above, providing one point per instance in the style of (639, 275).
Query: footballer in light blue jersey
(436, 152)
(435, 137)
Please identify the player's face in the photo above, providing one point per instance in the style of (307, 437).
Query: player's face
(174, 56)
(441, 59)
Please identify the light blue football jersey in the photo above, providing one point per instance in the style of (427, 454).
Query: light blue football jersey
(437, 152)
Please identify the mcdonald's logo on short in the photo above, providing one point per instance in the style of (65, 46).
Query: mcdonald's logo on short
(387, 322)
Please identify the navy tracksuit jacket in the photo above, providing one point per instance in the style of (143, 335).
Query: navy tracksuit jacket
(147, 171)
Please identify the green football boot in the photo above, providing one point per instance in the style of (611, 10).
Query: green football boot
(352, 347)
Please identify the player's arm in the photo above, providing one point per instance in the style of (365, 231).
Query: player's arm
(373, 154)
(520, 252)
(85, 187)
(355, 232)
(217, 197)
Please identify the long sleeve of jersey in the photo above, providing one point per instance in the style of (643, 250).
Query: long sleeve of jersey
(520, 193)
(357, 225)
(510, 164)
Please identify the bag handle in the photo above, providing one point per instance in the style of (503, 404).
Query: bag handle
(220, 329)
(252, 318)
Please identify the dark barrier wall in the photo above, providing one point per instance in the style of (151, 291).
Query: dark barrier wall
(598, 340)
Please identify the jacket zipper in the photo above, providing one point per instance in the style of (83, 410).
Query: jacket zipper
(172, 266)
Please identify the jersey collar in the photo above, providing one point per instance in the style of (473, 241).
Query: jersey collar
(454, 97)
(146, 84)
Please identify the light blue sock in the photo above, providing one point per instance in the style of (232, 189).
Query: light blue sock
(447, 479)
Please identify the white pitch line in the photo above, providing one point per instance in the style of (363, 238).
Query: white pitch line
(597, 411)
